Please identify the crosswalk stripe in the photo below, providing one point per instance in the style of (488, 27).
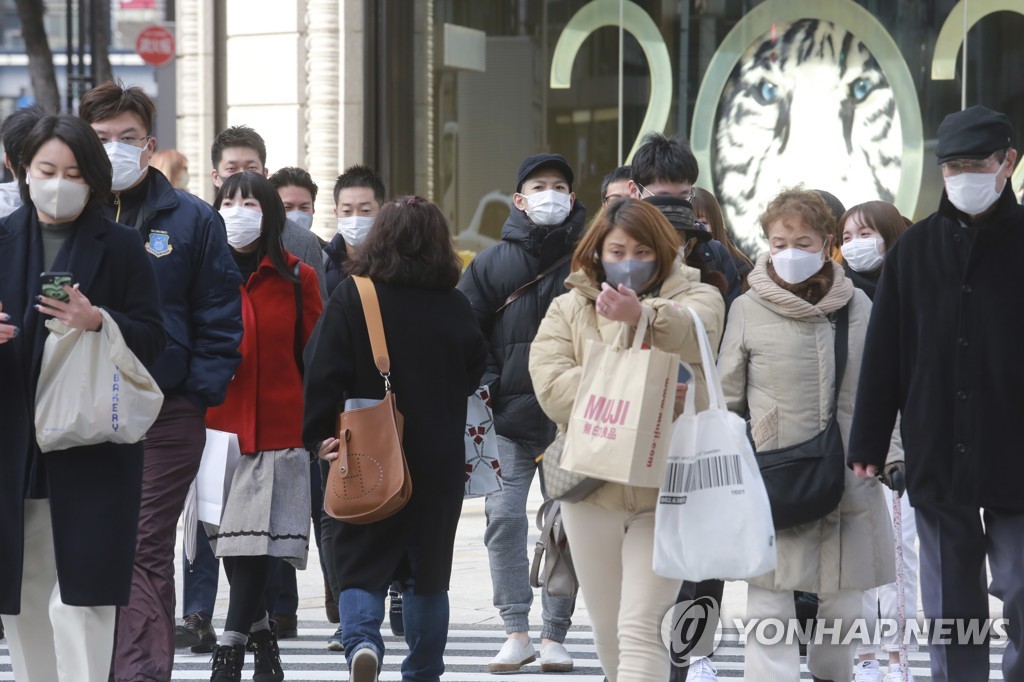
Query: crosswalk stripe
(469, 650)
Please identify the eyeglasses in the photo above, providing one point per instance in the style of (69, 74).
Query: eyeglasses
(958, 166)
(686, 194)
(133, 141)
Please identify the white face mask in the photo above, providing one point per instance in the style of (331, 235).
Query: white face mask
(973, 193)
(354, 229)
(549, 207)
(300, 218)
(864, 254)
(57, 197)
(796, 265)
(126, 160)
(242, 224)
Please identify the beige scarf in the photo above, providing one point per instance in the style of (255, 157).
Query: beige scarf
(791, 305)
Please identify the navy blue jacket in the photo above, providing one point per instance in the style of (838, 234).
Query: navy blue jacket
(524, 252)
(199, 292)
(335, 257)
(94, 491)
(943, 348)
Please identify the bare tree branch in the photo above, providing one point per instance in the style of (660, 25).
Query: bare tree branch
(40, 57)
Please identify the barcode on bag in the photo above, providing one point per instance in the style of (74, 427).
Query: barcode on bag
(710, 472)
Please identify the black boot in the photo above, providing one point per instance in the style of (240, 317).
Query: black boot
(266, 657)
(227, 664)
(395, 612)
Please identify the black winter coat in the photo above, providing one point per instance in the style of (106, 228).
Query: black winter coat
(524, 252)
(437, 358)
(943, 348)
(94, 491)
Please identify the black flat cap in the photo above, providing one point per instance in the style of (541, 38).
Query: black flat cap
(679, 213)
(973, 133)
(534, 163)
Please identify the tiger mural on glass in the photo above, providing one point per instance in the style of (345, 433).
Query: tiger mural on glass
(807, 103)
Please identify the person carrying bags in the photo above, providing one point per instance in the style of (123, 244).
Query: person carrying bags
(626, 271)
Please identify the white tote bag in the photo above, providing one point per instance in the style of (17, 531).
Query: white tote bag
(92, 389)
(713, 518)
(483, 471)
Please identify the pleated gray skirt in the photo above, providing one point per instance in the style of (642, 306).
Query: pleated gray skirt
(267, 508)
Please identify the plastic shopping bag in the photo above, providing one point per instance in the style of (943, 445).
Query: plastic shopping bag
(483, 472)
(713, 518)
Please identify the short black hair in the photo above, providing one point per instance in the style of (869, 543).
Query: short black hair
(620, 173)
(293, 176)
(92, 160)
(15, 129)
(254, 185)
(360, 176)
(663, 159)
(238, 136)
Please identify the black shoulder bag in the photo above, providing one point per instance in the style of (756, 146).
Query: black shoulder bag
(298, 346)
(805, 482)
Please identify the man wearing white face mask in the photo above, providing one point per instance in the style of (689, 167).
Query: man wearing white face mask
(199, 296)
(943, 351)
(510, 286)
(358, 196)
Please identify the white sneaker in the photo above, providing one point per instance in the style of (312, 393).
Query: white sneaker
(512, 657)
(701, 670)
(364, 666)
(554, 658)
(867, 671)
(895, 674)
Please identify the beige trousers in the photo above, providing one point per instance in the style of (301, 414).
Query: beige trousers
(51, 641)
(775, 662)
(613, 552)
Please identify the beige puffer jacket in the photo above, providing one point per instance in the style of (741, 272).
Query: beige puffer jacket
(556, 356)
(777, 361)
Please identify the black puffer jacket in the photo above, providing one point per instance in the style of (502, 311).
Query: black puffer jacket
(524, 252)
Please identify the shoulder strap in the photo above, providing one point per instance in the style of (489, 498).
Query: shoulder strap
(517, 294)
(374, 324)
(298, 320)
(842, 337)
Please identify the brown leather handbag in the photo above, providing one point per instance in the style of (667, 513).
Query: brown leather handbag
(369, 481)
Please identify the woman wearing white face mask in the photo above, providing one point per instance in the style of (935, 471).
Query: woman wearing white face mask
(779, 369)
(267, 509)
(71, 514)
(869, 230)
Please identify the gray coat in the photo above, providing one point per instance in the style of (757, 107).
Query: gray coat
(304, 245)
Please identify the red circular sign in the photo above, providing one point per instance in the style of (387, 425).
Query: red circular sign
(155, 45)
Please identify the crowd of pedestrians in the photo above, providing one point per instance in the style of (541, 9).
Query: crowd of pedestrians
(897, 338)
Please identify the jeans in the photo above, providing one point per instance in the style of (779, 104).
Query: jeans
(506, 541)
(426, 628)
(199, 584)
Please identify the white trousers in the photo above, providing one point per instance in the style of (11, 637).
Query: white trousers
(49, 640)
(613, 552)
(884, 599)
(776, 662)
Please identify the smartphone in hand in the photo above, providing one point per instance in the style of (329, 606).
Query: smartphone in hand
(52, 285)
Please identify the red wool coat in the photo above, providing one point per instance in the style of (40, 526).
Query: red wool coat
(264, 399)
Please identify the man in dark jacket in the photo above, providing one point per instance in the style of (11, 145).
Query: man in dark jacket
(510, 286)
(199, 295)
(358, 196)
(943, 351)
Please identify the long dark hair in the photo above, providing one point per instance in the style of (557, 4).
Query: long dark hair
(92, 159)
(254, 185)
(409, 245)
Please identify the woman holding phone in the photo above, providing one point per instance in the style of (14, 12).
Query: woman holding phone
(72, 514)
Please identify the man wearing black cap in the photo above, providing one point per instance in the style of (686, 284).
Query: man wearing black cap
(943, 350)
(510, 286)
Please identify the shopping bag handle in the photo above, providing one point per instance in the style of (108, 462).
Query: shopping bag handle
(642, 327)
(716, 396)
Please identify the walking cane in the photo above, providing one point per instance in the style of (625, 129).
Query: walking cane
(899, 485)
